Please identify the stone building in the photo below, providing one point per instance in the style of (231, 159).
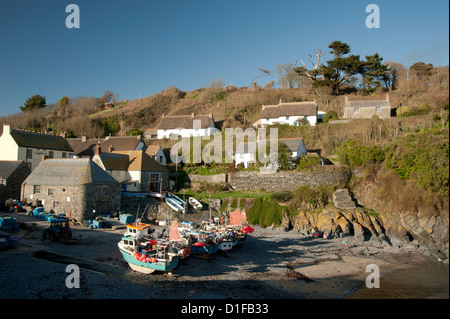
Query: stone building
(77, 185)
(367, 109)
(12, 175)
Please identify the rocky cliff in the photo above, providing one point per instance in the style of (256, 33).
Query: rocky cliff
(345, 219)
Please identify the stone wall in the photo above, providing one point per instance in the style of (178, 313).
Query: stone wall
(285, 180)
(216, 179)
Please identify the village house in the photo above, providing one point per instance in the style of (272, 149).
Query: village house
(151, 133)
(367, 109)
(291, 113)
(136, 171)
(17, 145)
(12, 175)
(186, 125)
(76, 185)
(84, 147)
(157, 153)
(246, 153)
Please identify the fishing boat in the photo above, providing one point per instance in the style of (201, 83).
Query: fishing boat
(144, 254)
(175, 202)
(142, 194)
(203, 244)
(174, 205)
(195, 203)
(182, 244)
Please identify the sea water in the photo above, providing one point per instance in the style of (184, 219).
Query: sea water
(424, 281)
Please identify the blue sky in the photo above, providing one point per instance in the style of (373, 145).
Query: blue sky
(136, 48)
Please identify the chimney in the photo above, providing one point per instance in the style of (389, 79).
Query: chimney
(98, 149)
(192, 115)
(387, 96)
(210, 115)
(84, 138)
(263, 107)
(110, 149)
(280, 102)
(7, 128)
(63, 134)
(346, 99)
(162, 115)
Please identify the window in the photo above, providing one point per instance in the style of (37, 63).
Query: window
(29, 154)
(160, 159)
(50, 154)
(356, 110)
(55, 204)
(378, 109)
(37, 189)
(50, 191)
(63, 154)
(287, 118)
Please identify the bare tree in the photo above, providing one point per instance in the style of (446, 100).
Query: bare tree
(321, 58)
(263, 72)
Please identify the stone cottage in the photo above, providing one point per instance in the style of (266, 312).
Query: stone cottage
(77, 185)
(367, 109)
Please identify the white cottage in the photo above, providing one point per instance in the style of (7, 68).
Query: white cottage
(246, 153)
(292, 113)
(186, 125)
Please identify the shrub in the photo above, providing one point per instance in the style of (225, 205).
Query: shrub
(353, 153)
(330, 116)
(281, 196)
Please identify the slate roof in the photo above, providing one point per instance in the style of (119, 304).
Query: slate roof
(170, 122)
(42, 141)
(68, 172)
(83, 148)
(372, 103)
(289, 109)
(118, 143)
(8, 167)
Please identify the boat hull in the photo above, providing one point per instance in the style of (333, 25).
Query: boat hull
(148, 267)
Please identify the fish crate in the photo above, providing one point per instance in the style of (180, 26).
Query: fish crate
(126, 218)
(100, 223)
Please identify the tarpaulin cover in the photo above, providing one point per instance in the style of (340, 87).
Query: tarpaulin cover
(238, 217)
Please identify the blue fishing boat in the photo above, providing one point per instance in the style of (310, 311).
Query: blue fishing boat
(144, 254)
(203, 244)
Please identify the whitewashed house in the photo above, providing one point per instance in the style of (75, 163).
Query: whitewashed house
(246, 153)
(292, 113)
(17, 145)
(186, 125)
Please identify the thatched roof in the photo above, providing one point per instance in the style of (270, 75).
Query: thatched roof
(289, 109)
(170, 122)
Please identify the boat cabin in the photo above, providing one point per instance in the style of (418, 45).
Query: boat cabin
(138, 229)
